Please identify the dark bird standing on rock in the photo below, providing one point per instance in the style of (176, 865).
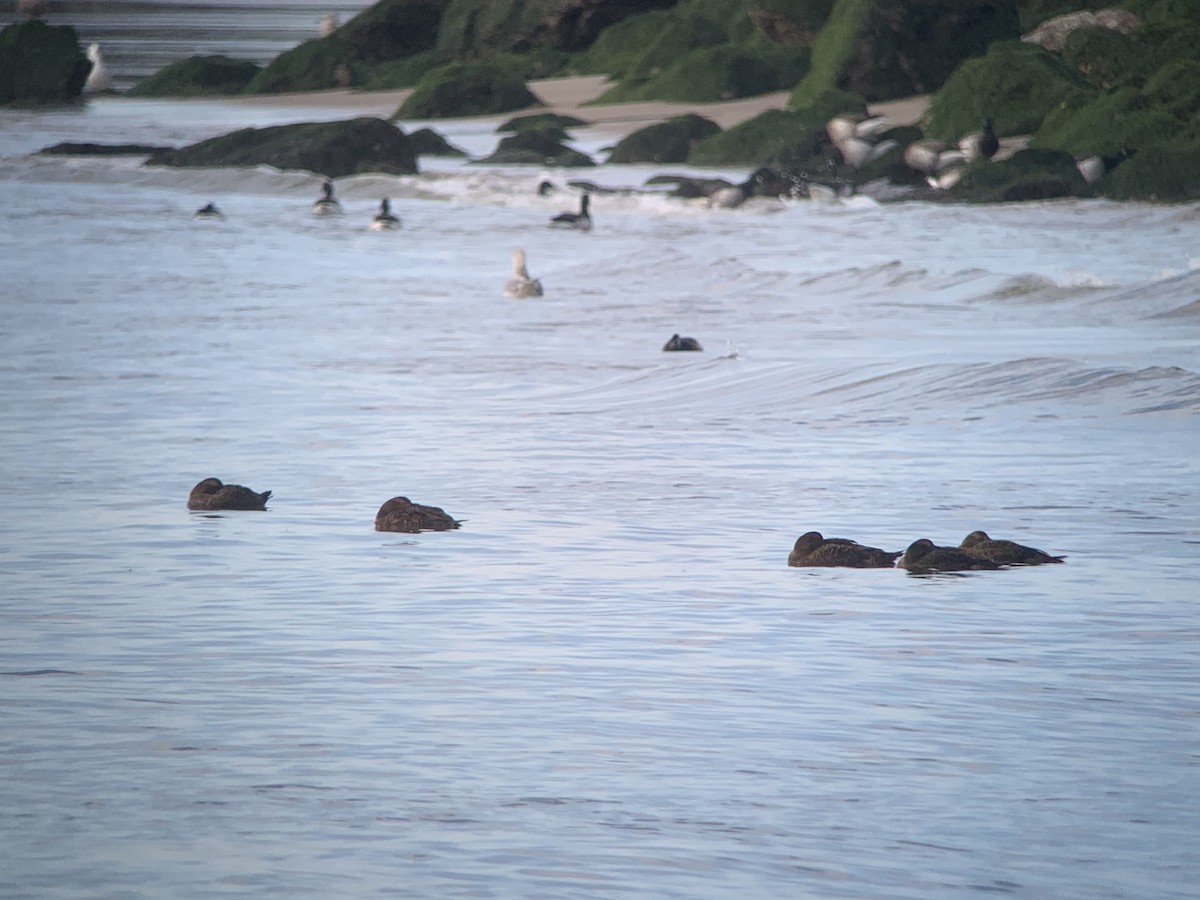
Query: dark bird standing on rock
(1006, 552)
(211, 493)
(924, 557)
(811, 549)
(401, 514)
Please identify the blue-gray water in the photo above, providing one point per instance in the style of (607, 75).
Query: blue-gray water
(608, 683)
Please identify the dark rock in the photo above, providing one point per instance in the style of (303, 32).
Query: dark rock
(792, 137)
(333, 149)
(538, 121)
(75, 148)
(197, 76)
(1164, 173)
(666, 142)
(472, 29)
(427, 142)
(1026, 175)
(470, 89)
(41, 64)
(883, 50)
(537, 147)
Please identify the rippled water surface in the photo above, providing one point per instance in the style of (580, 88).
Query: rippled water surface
(608, 682)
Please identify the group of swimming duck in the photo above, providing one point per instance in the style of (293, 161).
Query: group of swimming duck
(976, 552)
(397, 514)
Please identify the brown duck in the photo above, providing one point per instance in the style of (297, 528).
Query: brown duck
(1007, 553)
(211, 493)
(925, 556)
(811, 549)
(401, 514)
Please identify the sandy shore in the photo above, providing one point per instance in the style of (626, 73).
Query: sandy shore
(570, 96)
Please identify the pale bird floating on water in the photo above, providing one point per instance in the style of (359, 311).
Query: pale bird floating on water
(521, 285)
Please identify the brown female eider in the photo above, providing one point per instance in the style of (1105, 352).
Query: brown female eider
(1006, 552)
(925, 556)
(811, 549)
(401, 514)
(211, 493)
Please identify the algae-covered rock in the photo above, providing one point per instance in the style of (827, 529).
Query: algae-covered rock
(1016, 85)
(1164, 173)
(403, 73)
(1175, 87)
(388, 31)
(1105, 58)
(711, 74)
(317, 65)
(474, 29)
(1035, 12)
(669, 141)
(427, 142)
(1026, 175)
(333, 149)
(885, 49)
(790, 22)
(1111, 123)
(467, 89)
(41, 63)
(539, 147)
(197, 76)
(773, 135)
(537, 121)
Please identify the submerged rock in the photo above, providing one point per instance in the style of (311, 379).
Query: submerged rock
(333, 149)
(540, 147)
(427, 142)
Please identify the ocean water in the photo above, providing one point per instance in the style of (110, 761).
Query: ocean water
(608, 683)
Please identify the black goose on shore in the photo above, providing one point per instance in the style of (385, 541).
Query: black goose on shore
(401, 514)
(812, 549)
(212, 493)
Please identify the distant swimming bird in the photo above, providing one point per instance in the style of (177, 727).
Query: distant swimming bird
(546, 187)
(682, 343)
(521, 285)
(401, 514)
(208, 211)
(212, 494)
(924, 556)
(1007, 553)
(327, 204)
(98, 80)
(384, 219)
(811, 549)
(982, 144)
(735, 195)
(580, 221)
